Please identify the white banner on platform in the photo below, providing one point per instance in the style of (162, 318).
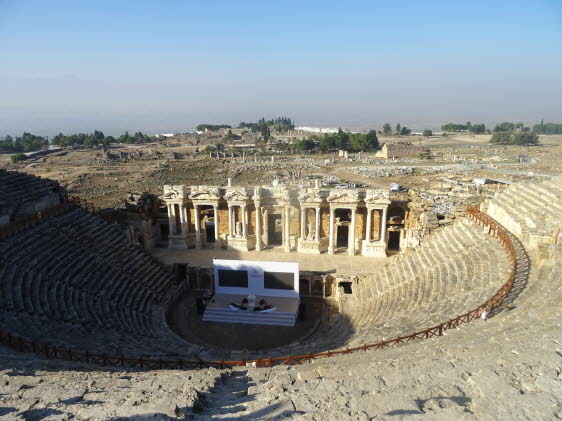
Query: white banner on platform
(276, 279)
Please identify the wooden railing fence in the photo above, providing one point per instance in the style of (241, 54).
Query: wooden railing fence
(55, 352)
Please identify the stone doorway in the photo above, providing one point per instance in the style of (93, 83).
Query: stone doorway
(274, 229)
(207, 215)
(210, 232)
(394, 240)
(164, 232)
(342, 236)
(343, 221)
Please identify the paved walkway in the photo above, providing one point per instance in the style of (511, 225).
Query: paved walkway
(339, 263)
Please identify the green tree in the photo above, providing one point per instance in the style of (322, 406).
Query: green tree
(343, 140)
(398, 128)
(212, 127)
(501, 138)
(525, 138)
(265, 132)
(372, 140)
(19, 157)
(386, 129)
(427, 133)
(504, 127)
(125, 138)
(303, 145)
(548, 128)
(327, 142)
(477, 128)
(405, 131)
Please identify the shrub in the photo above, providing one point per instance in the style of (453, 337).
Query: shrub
(19, 157)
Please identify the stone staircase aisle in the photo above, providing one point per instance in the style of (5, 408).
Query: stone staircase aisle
(227, 399)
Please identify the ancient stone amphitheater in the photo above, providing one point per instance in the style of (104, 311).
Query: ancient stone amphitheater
(466, 325)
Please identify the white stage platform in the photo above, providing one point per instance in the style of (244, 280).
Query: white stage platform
(283, 311)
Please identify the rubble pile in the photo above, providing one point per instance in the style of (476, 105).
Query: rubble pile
(381, 172)
(441, 204)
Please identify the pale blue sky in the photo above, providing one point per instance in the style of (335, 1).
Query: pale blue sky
(168, 65)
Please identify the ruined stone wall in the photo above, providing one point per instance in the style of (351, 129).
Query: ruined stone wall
(324, 222)
(223, 221)
(360, 223)
(376, 225)
(295, 221)
(403, 150)
(252, 220)
(191, 219)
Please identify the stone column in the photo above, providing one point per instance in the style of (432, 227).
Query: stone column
(331, 238)
(197, 227)
(383, 226)
(171, 219)
(351, 241)
(258, 225)
(317, 232)
(185, 221)
(265, 228)
(369, 225)
(244, 221)
(303, 223)
(216, 214)
(287, 230)
(230, 222)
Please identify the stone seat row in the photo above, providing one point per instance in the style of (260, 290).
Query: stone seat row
(452, 272)
(103, 282)
(104, 340)
(450, 250)
(27, 293)
(536, 312)
(15, 187)
(58, 250)
(75, 280)
(532, 211)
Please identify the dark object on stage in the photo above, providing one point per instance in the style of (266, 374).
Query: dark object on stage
(278, 280)
(233, 278)
(239, 307)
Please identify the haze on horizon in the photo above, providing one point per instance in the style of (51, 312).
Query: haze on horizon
(72, 66)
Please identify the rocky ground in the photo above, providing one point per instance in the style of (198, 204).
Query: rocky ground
(441, 379)
(34, 389)
(148, 167)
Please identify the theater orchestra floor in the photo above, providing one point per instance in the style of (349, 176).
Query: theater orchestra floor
(185, 321)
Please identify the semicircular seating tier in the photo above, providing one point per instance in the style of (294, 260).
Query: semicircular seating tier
(75, 281)
(530, 210)
(23, 194)
(452, 272)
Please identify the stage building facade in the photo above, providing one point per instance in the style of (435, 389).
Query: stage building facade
(315, 220)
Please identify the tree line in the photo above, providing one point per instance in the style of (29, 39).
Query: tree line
(211, 127)
(97, 138)
(468, 126)
(400, 130)
(526, 137)
(27, 142)
(548, 128)
(278, 124)
(352, 142)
